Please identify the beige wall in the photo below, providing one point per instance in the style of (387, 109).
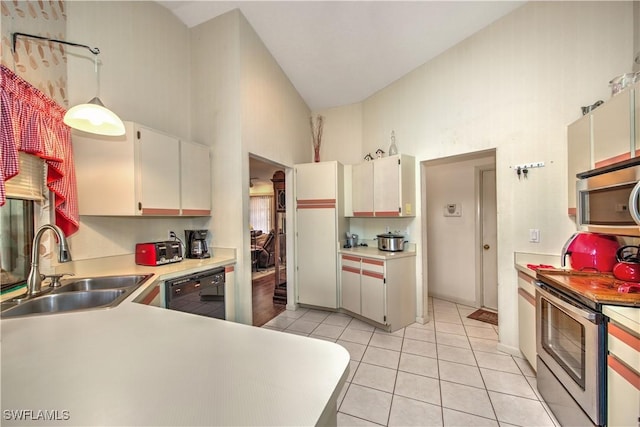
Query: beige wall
(514, 86)
(243, 103)
(144, 77)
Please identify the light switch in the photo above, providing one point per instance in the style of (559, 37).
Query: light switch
(534, 235)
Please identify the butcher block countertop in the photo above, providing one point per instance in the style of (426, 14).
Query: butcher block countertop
(139, 365)
(601, 288)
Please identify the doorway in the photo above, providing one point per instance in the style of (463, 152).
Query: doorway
(267, 221)
(455, 205)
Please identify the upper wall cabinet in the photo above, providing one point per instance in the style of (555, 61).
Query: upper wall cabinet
(384, 187)
(605, 136)
(579, 155)
(613, 136)
(145, 172)
(195, 182)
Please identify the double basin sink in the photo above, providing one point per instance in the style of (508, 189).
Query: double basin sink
(76, 295)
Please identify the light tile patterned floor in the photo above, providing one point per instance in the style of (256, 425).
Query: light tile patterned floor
(447, 372)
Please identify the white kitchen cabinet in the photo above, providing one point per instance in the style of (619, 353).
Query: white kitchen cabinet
(320, 223)
(578, 157)
(141, 173)
(527, 318)
(362, 188)
(195, 182)
(379, 290)
(384, 187)
(623, 372)
(613, 137)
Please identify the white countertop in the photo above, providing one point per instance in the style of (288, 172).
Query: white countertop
(143, 365)
(374, 252)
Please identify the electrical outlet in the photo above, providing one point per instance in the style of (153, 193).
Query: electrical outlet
(171, 234)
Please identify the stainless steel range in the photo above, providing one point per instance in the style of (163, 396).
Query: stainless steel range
(570, 341)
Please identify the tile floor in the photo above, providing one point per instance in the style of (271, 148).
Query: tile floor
(447, 372)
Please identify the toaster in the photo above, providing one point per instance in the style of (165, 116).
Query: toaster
(158, 253)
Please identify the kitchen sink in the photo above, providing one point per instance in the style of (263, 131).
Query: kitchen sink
(98, 283)
(76, 295)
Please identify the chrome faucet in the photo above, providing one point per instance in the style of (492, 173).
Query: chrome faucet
(34, 280)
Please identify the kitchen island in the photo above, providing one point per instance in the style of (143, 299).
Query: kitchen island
(136, 364)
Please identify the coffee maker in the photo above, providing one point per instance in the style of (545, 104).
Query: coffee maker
(196, 244)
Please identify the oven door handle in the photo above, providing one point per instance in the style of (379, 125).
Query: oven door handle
(633, 203)
(565, 304)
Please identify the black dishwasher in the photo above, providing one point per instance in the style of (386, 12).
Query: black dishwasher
(199, 293)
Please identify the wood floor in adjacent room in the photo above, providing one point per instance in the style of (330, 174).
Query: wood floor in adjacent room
(263, 285)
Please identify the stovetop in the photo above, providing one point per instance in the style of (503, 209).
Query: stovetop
(591, 287)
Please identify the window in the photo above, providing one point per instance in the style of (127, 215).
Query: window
(261, 212)
(17, 221)
(16, 228)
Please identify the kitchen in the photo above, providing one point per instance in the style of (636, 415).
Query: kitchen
(512, 87)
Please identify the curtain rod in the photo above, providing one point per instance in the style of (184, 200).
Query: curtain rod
(15, 36)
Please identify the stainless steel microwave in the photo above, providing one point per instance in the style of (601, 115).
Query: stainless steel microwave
(608, 199)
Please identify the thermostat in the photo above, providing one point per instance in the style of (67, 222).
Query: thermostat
(452, 209)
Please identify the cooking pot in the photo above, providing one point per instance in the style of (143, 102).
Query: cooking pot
(591, 251)
(628, 266)
(391, 242)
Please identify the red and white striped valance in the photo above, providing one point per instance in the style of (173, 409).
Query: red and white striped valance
(32, 122)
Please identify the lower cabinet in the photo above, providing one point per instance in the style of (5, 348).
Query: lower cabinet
(379, 290)
(527, 318)
(623, 376)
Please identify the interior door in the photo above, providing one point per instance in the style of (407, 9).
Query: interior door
(489, 240)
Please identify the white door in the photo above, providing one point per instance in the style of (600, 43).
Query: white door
(489, 240)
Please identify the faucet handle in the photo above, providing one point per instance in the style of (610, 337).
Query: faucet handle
(55, 279)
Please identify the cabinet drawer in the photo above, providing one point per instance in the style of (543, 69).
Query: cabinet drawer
(373, 266)
(624, 345)
(352, 262)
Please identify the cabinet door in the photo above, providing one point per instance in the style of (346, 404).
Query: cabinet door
(636, 109)
(105, 173)
(527, 325)
(317, 256)
(373, 294)
(316, 181)
(362, 189)
(350, 284)
(386, 180)
(158, 173)
(578, 156)
(195, 170)
(623, 394)
(612, 131)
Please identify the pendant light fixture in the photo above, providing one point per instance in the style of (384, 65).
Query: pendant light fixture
(92, 117)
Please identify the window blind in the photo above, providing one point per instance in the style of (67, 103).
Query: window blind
(261, 212)
(29, 182)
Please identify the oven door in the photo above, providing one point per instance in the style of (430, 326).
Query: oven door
(569, 340)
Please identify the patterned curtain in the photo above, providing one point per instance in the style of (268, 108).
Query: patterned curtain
(33, 123)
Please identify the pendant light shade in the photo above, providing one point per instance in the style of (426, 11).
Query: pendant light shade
(93, 117)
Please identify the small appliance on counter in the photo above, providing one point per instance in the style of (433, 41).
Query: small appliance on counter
(391, 242)
(196, 244)
(158, 253)
(591, 251)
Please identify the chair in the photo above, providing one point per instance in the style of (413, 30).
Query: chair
(266, 252)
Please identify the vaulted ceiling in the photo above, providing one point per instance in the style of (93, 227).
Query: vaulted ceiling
(341, 52)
